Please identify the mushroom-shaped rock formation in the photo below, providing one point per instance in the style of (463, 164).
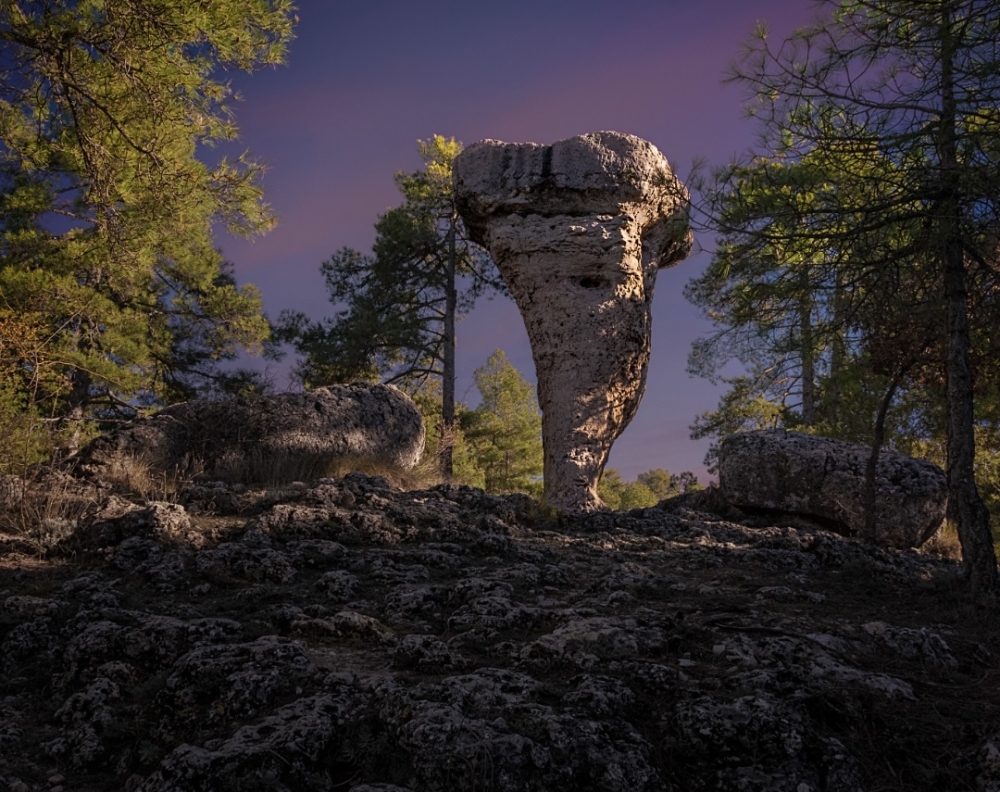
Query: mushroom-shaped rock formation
(578, 231)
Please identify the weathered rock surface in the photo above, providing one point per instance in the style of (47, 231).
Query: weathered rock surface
(824, 479)
(578, 231)
(266, 437)
(350, 636)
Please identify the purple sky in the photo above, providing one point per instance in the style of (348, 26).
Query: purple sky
(367, 78)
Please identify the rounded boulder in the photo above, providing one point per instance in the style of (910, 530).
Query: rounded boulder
(824, 479)
(264, 439)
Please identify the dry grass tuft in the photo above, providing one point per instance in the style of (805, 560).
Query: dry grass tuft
(944, 542)
(425, 474)
(141, 477)
(132, 473)
(275, 470)
(147, 480)
(37, 514)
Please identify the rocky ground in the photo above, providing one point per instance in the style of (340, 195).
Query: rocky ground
(344, 635)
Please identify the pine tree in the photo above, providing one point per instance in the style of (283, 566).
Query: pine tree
(914, 84)
(426, 394)
(505, 432)
(107, 267)
(647, 490)
(400, 304)
(821, 332)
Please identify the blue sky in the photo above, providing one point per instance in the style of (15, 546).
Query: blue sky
(367, 78)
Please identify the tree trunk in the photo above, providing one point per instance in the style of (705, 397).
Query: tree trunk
(869, 532)
(965, 506)
(448, 362)
(73, 420)
(808, 359)
(832, 406)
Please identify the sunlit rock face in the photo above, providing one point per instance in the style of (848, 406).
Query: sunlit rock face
(263, 438)
(578, 231)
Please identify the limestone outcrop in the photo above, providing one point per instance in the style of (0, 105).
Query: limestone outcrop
(345, 635)
(578, 231)
(267, 438)
(824, 479)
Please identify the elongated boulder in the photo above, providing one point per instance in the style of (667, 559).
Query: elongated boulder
(578, 231)
(266, 439)
(824, 479)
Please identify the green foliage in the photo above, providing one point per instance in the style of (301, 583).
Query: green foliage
(856, 269)
(106, 211)
(620, 495)
(21, 443)
(505, 432)
(988, 454)
(496, 447)
(426, 394)
(393, 305)
(743, 408)
(664, 484)
(400, 304)
(933, 446)
(647, 490)
(828, 274)
(822, 310)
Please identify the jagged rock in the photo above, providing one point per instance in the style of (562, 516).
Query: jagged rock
(923, 644)
(117, 520)
(719, 735)
(496, 726)
(379, 788)
(988, 759)
(354, 636)
(280, 753)
(709, 500)
(287, 437)
(85, 716)
(216, 683)
(426, 652)
(824, 479)
(578, 231)
(584, 642)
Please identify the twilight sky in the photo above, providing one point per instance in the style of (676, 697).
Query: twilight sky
(366, 78)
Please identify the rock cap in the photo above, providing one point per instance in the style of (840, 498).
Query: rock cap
(593, 174)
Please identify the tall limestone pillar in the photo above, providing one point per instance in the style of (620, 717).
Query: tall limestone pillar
(578, 231)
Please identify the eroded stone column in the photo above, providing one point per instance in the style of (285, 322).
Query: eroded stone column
(578, 231)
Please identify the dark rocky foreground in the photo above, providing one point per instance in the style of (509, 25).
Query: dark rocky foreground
(347, 636)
